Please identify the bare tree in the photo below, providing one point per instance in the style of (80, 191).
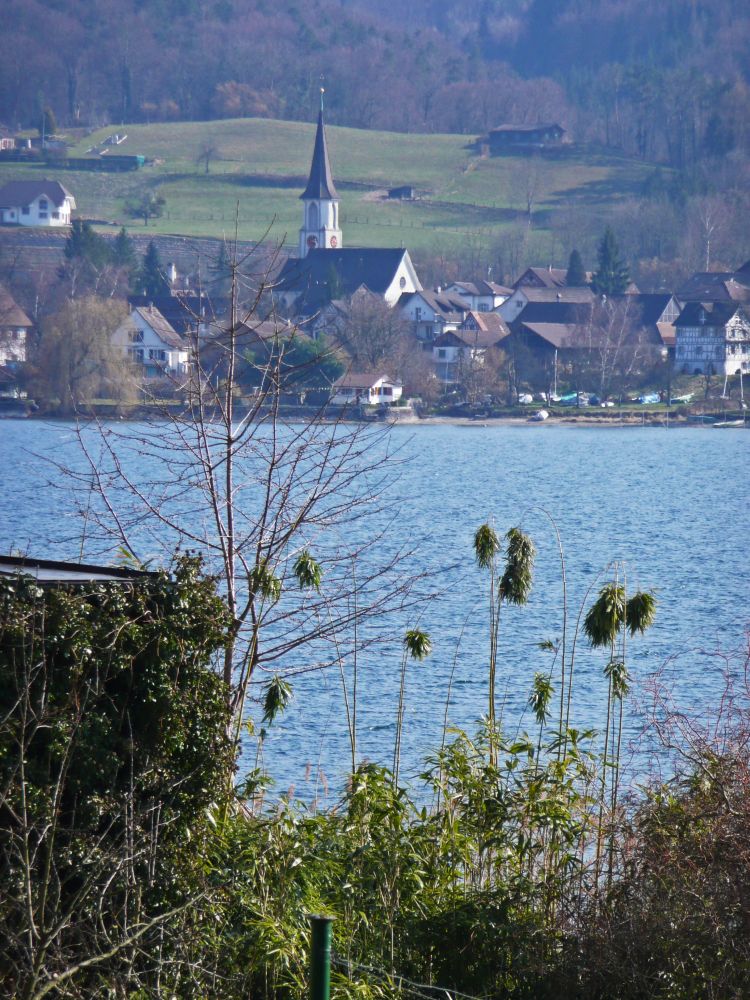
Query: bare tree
(371, 332)
(207, 151)
(291, 516)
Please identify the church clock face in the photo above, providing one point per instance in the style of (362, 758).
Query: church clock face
(334, 242)
(312, 242)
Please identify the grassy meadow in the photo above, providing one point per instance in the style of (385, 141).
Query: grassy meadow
(258, 166)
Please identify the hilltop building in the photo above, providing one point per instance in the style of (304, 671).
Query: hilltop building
(324, 269)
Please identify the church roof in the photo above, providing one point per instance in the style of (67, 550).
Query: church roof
(320, 183)
(346, 268)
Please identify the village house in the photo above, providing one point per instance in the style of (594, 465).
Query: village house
(36, 203)
(365, 388)
(713, 338)
(14, 329)
(452, 350)
(151, 344)
(551, 298)
(543, 277)
(480, 296)
(430, 313)
(654, 315)
(324, 269)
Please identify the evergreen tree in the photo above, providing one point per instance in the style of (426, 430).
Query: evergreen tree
(84, 243)
(152, 280)
(576, 273)
(612, 276)
(123, 251)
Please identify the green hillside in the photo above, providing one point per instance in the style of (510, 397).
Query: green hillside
(259, 164)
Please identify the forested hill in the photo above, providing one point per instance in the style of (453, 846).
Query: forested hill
(666, 81)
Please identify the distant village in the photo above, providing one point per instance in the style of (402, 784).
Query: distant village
(366, 332)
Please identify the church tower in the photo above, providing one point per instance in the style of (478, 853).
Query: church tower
(320, 222)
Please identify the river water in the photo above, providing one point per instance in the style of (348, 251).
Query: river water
(672, 505)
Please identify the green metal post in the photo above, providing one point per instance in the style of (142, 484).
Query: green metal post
(320, 957)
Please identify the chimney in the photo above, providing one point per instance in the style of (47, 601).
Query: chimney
(172, 274)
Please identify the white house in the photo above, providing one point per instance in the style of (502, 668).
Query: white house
(432, 313)
(36, 203)
(14, 328)
(713, 338)
(480, 296)
(150, 342)
(358, 388)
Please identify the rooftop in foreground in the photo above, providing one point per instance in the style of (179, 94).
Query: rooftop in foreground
(48, 571)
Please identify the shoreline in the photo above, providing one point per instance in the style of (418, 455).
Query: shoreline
(627, 419)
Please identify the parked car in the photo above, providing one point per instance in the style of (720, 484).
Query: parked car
(649, 397)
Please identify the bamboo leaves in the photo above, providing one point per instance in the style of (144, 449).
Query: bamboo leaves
(417, 644)
(486, 546)
(515, 584)
(308, 572)
(277, 698)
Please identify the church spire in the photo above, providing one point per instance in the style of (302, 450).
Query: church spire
(320, 183)
(320, 217)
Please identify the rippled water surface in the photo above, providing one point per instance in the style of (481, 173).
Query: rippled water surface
(673, 505)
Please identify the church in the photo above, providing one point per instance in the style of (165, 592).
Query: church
(324, 269)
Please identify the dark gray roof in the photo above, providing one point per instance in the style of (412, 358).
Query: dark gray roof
(560, 335)
(713, 313)
(182, 309)
(716, 286)
(651, 305)
(47, 571)
(543, 127)
(347, 268)
(320, 183)
(23, 192)
(445, 304)
(554, 312)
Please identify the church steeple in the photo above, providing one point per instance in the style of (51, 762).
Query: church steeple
(320, 223)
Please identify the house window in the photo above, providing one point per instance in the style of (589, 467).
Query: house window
(157, 355)
(43, 205)
(442, 353)
(136, 354)
(136, 336)
(483, 307)
(418, 314)
(42, 215)
(26, 210)
(55, 215)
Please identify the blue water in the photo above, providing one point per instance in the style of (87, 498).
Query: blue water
(671, 505)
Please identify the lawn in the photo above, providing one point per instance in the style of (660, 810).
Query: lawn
(258, 167)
